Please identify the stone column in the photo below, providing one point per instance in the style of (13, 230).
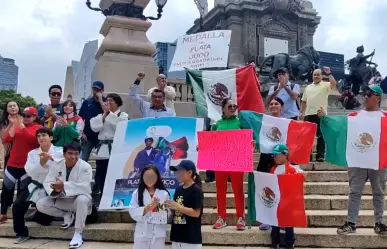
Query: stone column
(125, 50)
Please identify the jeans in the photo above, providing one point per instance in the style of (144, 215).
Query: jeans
(320, 140)
(87, 148)
(276, 233)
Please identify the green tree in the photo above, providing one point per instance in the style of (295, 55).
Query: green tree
(10, 95)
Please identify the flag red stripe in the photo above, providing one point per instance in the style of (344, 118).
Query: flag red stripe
(291, 208)
(300, 141)
(383, 143)
(248, 90)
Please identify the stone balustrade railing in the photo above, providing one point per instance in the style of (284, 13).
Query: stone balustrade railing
(184, 92)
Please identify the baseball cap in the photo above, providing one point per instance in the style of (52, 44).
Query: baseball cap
(31, 111)
(280, 149)
(280, 70)
(98, 85)
(375, 88)
(184, 164)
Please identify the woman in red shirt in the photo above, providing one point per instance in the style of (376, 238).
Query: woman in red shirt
(21, 133)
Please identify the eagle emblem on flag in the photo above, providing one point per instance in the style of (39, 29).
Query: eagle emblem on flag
(268, 197)
(364, 142)
(218, 93)
(274, 134)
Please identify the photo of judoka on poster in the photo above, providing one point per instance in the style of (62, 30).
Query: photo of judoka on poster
(163, 142)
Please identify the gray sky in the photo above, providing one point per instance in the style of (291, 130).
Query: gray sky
(44, 36)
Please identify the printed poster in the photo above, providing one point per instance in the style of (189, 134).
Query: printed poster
(161, 141)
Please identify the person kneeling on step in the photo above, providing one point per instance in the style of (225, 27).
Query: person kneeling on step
(68, 185)
(39, 161)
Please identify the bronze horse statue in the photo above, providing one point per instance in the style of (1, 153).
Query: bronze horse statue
(300, 66)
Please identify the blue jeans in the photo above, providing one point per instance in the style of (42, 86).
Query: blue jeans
(87, 148)
(289, 236)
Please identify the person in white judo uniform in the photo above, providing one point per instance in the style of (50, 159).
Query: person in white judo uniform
(68, 185)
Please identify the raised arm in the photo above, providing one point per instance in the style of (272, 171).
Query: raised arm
(141, 104)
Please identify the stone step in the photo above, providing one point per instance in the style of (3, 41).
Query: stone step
(121, 232)
(316, 218)
(7, 243)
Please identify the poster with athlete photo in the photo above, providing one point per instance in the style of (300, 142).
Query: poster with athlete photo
(163, 142)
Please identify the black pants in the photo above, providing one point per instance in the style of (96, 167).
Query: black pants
(210, 175)
(276, 235)
(19, 210)
(8, 193)
(100, 176)
(320, 140)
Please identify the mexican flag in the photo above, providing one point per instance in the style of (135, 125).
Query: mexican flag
(211, 87)
(276, 200)
(357, 141)
(269, 131)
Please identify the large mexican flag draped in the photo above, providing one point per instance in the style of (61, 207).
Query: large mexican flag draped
(211, 87)
(358, 141)
(269, 131)
(276, 200)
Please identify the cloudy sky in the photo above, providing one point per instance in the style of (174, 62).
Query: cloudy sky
(45, 35)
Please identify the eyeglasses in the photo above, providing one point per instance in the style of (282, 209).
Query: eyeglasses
(56, 94)
(370, 94)
(26, 115)
(230, 107)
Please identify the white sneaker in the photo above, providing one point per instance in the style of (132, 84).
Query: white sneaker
(77, 241)
(68, 220)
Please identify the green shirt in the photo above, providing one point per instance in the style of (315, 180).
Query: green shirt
(226, 124)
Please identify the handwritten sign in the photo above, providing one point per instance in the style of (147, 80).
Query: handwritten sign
(202, 50)
(230, 150)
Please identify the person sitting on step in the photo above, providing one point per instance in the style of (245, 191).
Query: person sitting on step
(68, 185)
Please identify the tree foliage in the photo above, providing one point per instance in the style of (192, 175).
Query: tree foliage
(10, 95)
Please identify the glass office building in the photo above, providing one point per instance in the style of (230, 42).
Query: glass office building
(335, 62)
(9, 74)
(163, 57)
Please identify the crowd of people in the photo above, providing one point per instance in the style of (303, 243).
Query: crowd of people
(47, 153)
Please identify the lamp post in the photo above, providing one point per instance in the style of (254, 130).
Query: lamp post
(126, 49)
(202, 6)
(129, 9)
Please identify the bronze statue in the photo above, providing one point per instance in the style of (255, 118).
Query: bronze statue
(361, 70)
(300, 66)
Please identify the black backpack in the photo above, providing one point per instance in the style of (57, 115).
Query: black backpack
(291, 88)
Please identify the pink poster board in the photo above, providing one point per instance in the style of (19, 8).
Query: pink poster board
(230, 150)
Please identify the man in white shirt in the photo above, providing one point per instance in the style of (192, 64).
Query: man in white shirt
(37, 167)
(287, 92)
(170, 93)
(68, 185)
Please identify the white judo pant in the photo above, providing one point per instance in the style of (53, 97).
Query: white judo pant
(80, 205)
(177, 245)
(156, 243)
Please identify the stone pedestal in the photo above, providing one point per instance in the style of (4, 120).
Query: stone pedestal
(124, 52)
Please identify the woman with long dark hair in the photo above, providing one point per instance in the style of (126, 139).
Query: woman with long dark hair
(69, 127)
(149, 210)
(10, 109)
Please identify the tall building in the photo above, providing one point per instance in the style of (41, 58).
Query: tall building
(9, 74)
(80, 80)
(335, 62)
(163, 57)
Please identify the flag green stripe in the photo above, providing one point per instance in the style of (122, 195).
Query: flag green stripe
(334, 130)
(195, 79)
(252, 120)
(251, 211)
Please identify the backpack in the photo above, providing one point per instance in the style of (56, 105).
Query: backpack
(291, 88)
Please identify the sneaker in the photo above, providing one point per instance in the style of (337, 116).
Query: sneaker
(220, 223)
(21, 239)
(3, 219)
(241, 224)
(77, 241)
(347, 228)
(264, 227)
(208, 180)
(380, 228)
(68, 220)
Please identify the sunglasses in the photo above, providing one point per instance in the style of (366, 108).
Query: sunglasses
(26, 115)
(370, 94)
(230, 107)
(56, 94)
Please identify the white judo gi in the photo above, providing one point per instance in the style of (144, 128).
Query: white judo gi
(75, 197)
(151, 228)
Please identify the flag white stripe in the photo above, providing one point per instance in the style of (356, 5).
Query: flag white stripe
(359, 155)
(210, 79)
(266, 139)
(266, 211)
